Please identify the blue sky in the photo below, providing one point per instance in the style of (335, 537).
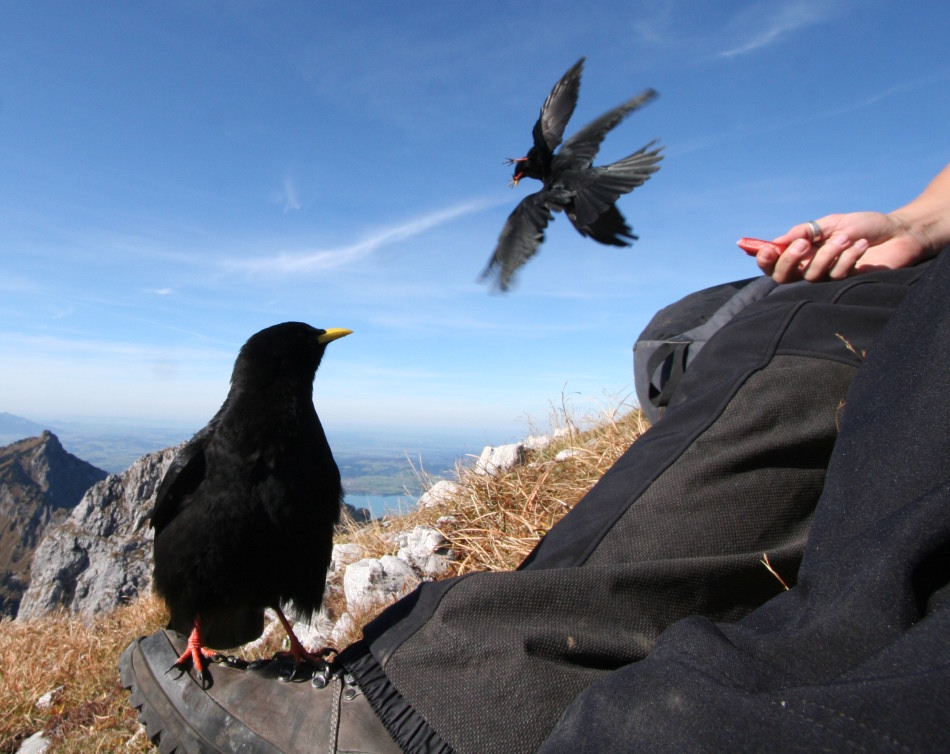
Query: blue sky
(179, 175)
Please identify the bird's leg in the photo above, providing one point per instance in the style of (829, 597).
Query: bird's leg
(297, 650)
(195, 653)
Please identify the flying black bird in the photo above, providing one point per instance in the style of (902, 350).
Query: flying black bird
(244, 516)
(570, 182)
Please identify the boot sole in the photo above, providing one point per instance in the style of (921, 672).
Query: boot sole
(179, 715)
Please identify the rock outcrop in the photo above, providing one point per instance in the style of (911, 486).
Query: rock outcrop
(101, 556)
(39, 483)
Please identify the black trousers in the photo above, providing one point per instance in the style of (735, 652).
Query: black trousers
(553, 654)
(856, 657)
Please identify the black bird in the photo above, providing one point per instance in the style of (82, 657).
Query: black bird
(244, 516)
(570, 182)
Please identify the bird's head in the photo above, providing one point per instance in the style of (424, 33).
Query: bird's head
(290, 351)
(518, 172)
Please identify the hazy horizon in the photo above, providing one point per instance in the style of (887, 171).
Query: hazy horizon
(95, 438)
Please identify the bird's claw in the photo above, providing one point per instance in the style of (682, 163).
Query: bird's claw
(302, 664)
(177, 666)
(181, 665)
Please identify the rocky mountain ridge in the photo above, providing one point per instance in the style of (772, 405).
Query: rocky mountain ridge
(39, 483)
(101, 555)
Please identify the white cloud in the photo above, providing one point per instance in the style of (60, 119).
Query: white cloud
(766, 23)
(316, 260)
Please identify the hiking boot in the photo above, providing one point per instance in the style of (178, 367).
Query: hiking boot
(247, 708)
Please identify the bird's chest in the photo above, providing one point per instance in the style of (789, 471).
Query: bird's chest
(275, 465)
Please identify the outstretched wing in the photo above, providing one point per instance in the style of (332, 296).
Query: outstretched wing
(558, 108)
(519, 239)
(580, 150)
(595, 190)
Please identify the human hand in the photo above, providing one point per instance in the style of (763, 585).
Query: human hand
(849, 244)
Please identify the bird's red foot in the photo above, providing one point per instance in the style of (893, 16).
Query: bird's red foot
(195, 655)
(297, 651)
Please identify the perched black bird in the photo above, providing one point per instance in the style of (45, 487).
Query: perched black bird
(244, 516)
(570, 182)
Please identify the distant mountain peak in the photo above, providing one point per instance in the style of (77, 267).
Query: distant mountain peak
(39, 483)
(14, 426)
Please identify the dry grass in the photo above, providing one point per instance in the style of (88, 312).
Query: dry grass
(499, 520)
(492, 523)
(89, 711)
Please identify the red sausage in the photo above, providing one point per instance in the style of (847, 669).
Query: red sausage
(751, 246)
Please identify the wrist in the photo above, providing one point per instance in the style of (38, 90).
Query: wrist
(925, 233)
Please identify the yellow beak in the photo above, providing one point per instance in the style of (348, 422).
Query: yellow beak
(333, 334)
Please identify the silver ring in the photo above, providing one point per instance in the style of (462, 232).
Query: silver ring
(815, 230)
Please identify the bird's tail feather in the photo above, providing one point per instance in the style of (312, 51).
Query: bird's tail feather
(601, 187)
(610, 228)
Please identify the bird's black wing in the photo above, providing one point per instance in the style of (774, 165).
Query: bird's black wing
(184, 475)
(595, 190)
(579, 151)
(558, 108)
(519, 239)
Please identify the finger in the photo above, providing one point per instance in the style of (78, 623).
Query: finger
(846, 263)
(826, 255)
(805, 231)
(792, 261)
(766, 257)
(798, 231)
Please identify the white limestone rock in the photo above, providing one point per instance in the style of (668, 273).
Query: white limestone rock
(498, 459)
(375, 582)
(425, 549)
(439, 493)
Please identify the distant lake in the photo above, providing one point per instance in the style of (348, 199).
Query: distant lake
(380, 505)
